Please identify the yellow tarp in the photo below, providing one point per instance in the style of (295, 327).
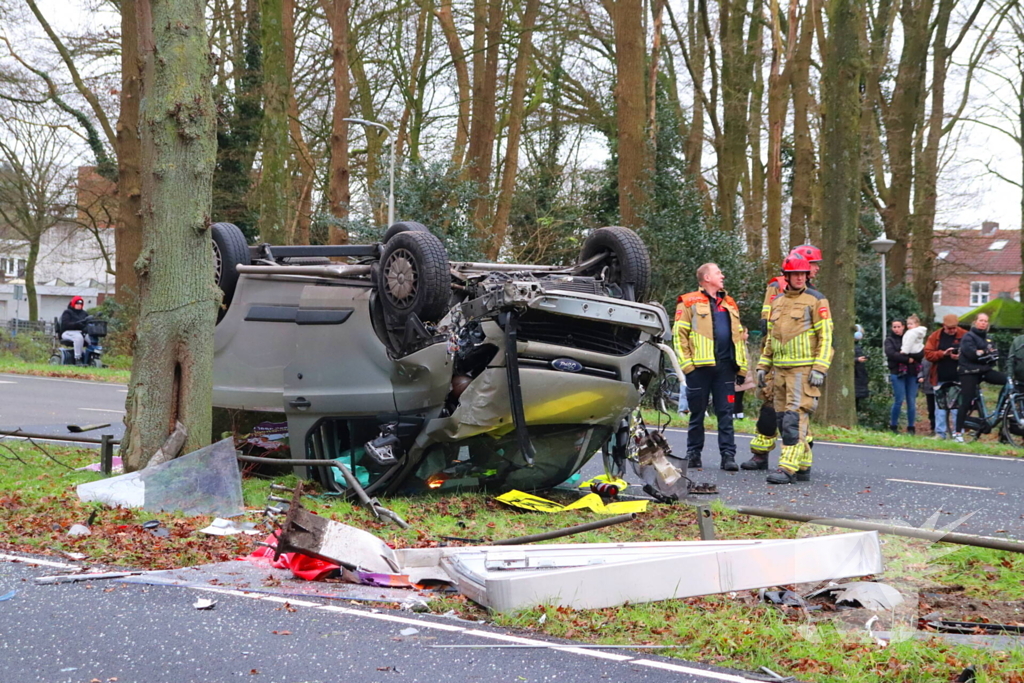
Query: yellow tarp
(591, 501)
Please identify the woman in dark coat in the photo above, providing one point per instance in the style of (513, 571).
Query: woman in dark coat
(860, 369)
(978, 358)
(903, 371)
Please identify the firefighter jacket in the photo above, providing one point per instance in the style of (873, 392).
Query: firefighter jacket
(694, 331)
(799, 331)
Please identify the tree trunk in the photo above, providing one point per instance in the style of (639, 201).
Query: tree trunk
(411, 124)
(172, 370)
(479, 155)
(801, 209)
(275, 183)
(374, 140)
(451, 34)
(301, 195)
(515, 126)
(753, 204)
(841, 78)
(737, 60)
(128, 228)
(632, 149)
(658, 10)
(30, 278)
(339, 195)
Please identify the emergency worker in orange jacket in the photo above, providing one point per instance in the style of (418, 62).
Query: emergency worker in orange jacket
(767, 428)
(798, 352)
(709, 343)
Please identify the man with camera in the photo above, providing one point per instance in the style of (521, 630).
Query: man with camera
(978, 358)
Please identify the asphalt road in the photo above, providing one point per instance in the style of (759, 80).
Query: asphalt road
(46, 405)
(108, 630)
(867, 482)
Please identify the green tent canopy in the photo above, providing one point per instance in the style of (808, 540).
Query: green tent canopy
(1003, 314)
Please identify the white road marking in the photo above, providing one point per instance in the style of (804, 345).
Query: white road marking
(102, 410)
(935, 483)
(32, 560)
(6, 382)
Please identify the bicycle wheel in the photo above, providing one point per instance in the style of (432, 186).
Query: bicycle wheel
(1012, 430)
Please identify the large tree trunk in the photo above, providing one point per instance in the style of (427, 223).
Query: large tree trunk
(301, 204)
(339, 195)
(632, 148)
(753, 204)
(451, 34)
(841, 77)
(515, 127)
(479, 155)
(801, 209)
(275, 181)
(128, 228)
(172, 370)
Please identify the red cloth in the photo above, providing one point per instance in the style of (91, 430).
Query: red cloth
(302, 566)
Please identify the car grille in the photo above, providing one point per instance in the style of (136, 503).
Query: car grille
(577, 333)
(586, 285)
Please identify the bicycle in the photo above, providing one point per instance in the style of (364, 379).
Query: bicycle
(1007, 416)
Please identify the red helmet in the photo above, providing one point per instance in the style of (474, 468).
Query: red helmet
(795, 263)
(75, 300)
(808, 251)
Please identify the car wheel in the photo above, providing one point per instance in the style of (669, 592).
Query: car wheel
(414, 277)
(626, 263)
(403, 226)
(229, 249)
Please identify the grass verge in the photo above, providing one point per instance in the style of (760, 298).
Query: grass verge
(38, 505)
(16, 366)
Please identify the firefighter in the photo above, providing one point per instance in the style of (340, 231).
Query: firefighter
(798, 353)
(709, 343)
(766, 428)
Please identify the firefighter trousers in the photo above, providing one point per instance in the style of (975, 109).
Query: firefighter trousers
(795, 401)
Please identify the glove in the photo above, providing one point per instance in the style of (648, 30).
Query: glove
(817, 378)
(762, 377)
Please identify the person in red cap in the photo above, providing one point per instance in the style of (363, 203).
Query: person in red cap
(72, 324)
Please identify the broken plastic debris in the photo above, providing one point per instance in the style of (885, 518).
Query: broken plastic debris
(203, 603)
(409, 631)
(8, 595)
(866, 594)
(204, 482)
(79, 530)
(226, 527)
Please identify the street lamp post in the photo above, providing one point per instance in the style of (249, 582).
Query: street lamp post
(882, 245)
(391, 186)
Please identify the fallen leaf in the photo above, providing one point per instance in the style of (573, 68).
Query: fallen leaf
(281, 633)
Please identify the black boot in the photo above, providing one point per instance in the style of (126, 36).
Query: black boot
(912, 430)
(803, 475)
(693, 460)
(758, 461)
(781, 476)
(894, 429)
(729, 463)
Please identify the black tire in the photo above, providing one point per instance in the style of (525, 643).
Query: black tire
(57, 359)
(229, 249)
(627, 263)
(404, 226)
(1011, 432)
(414, 277)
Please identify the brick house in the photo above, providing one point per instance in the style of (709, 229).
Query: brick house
(973, 267)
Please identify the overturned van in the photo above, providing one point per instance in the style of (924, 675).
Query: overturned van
(421, 373)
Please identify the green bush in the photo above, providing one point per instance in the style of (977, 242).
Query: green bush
(31, 347)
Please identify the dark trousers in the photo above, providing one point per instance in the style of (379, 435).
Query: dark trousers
(737, 406)
(930, 399)
(969, 391)
(717, 384)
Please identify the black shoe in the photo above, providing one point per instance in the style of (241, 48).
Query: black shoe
(758, 461)
(894, 429)
(911, 430)
(693, 460)
(803, 475)
(781, 476)
(729, 464)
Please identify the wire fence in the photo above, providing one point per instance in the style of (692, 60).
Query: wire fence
(14, 326)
